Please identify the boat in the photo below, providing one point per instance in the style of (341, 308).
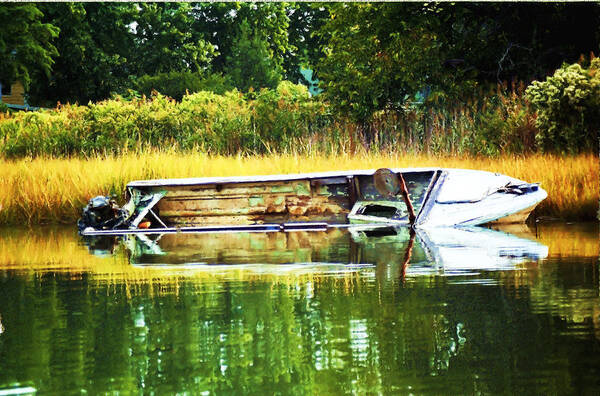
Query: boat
(415, 197)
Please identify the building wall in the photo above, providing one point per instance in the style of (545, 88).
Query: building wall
(17, 95)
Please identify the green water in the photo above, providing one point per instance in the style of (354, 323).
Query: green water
(306, 313)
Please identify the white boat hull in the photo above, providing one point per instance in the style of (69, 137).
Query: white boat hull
(463, 197)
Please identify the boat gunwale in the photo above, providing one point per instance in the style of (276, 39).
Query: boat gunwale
(268, 178)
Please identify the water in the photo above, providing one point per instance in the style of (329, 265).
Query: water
(387, 312)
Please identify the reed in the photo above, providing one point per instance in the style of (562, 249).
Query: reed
(50, 190)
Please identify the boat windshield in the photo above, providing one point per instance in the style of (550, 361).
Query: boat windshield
(393, 207)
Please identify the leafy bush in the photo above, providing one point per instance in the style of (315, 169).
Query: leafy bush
(177, 84)
(217, 123)
(568, 108)
(225, 124)
(285, 114)
(285, 119)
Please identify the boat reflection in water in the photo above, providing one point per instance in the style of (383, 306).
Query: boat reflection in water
(396, 251)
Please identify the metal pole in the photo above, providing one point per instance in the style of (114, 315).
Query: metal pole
(409, 206)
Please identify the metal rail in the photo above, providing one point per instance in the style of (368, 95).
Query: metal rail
(283, 227)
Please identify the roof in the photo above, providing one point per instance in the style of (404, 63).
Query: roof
(25, 107)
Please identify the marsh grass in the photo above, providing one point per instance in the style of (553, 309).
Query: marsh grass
(49, 190)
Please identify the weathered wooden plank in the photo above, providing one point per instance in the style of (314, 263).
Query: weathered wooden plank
(293, 205)
(250, 203)
(246, 205)
(297, 187)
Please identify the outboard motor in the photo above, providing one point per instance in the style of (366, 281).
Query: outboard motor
(102, 213)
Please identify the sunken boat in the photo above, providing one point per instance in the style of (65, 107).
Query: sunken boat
(416, 197)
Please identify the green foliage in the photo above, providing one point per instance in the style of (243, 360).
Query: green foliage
(177, 84)
(285, 114)
(94, 46)
(224, 124)
(370, 57)
(216, 123)
(377, 56)
(99, 50)
(281, 120)
(165, 42)
(305, 19)
(527, 41)
(502, 124)
(222, 24)
(250, 65)
(25, 43)
(490, 42)
(568, 108)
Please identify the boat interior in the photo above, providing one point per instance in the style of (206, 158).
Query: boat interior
(335, 199)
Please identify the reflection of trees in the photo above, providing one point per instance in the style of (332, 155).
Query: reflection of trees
(569, 290)
(67, 335)
(337, 335)
(318, 334)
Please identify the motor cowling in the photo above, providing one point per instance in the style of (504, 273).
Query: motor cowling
(102, 213)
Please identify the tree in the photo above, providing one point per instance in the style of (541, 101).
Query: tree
(25, 43)
(103, 47)
(94, 44)
(166, 41)
(250, 63)
(221, 23)
(498, 42)
(305, 46)
(377, 56)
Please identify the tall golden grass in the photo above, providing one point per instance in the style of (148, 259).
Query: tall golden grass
(47, 190)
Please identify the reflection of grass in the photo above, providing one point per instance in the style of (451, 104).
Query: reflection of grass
(55, 190)
(576, 240)
(45, 250)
